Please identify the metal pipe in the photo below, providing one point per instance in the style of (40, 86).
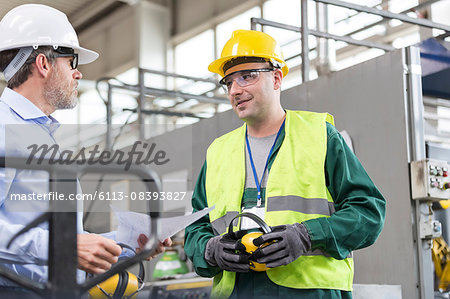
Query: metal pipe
(304, 38)
(165, 112)
(346, 39)
(443, 36)
(353, 41)
(382, 5)
(436, 103)
(172, 93)
(252, 24)
(434, 116)
(109, 118)
(421, 5)
(387, 14)
(323, 44)
(140, 105)
(167, 74)
(416, 151)
(62, 266)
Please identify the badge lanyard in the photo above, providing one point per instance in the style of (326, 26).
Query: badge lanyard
(255, 175)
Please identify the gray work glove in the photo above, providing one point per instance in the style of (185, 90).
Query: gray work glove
(228, 252)
(291, 241)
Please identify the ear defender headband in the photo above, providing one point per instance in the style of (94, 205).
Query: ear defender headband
(247, 239)
(264, 227)
(125, 280)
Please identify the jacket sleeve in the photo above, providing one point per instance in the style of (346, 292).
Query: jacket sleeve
(199, 233)
(360, 207)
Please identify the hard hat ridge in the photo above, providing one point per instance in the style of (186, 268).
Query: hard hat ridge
(249, 43)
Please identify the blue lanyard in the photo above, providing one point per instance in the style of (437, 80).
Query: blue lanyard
(255, 175)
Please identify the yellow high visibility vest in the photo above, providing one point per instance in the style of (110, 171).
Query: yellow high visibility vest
(296, 191)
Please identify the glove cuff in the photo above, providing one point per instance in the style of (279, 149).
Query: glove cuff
(304, 235)
(209, 252)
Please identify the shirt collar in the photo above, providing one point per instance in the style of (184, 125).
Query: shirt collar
(26, 109)
(21, 105)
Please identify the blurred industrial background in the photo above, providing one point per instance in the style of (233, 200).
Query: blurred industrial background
(381, 67)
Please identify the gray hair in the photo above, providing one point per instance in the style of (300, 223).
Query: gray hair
(22, 74)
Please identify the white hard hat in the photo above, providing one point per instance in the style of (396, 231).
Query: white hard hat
(40, 25)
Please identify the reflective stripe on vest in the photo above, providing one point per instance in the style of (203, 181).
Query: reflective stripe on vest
(281, 203)
(319, 206)
(295, 192)
(220, 225)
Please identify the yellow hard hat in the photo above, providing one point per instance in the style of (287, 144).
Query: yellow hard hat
(249, 43)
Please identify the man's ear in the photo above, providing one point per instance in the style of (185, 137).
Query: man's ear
(278, 77)
(42, 65)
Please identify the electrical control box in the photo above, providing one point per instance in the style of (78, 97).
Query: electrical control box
(191, 288)
(430, 180)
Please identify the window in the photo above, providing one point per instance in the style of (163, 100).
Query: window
(192, 58)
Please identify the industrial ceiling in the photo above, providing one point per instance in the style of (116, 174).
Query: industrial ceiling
(81, 13)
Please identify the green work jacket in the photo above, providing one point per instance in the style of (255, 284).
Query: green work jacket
(334, 271)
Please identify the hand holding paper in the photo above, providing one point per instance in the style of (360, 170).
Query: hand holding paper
(132, 225)
(143, 239)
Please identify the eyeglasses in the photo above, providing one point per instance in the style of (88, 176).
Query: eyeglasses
(67, 52)
(243, 78)
(73, 62)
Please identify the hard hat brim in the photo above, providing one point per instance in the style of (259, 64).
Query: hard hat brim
(217, 65)
(85, 56)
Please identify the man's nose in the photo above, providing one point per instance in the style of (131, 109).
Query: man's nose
(77, 74)
(235, 89)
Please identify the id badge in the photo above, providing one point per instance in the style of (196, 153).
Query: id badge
(247, 223)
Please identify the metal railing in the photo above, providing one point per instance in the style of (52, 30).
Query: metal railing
(144, 91)
(305, 31)
(62, 248)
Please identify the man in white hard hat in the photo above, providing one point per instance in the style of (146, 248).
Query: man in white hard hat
(39, 55)
(292, 169)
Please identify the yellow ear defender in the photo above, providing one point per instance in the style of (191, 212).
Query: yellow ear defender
(247, 239)
(121, 285)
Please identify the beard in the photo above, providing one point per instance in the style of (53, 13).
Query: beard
(59, 93)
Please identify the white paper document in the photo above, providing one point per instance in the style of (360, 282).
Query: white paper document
(132, 224)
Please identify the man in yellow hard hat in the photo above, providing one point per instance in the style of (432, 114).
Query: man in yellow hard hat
(292, 169)
(39, 55)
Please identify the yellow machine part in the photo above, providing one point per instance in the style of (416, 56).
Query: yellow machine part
(441, 260)
(445, 203)
(110, 285)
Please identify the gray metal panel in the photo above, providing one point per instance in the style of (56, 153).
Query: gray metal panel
(416, 137)
(372, 291)
(367, 100)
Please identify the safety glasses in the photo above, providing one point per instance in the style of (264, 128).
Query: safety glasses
(242, 78)
(67, 52)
